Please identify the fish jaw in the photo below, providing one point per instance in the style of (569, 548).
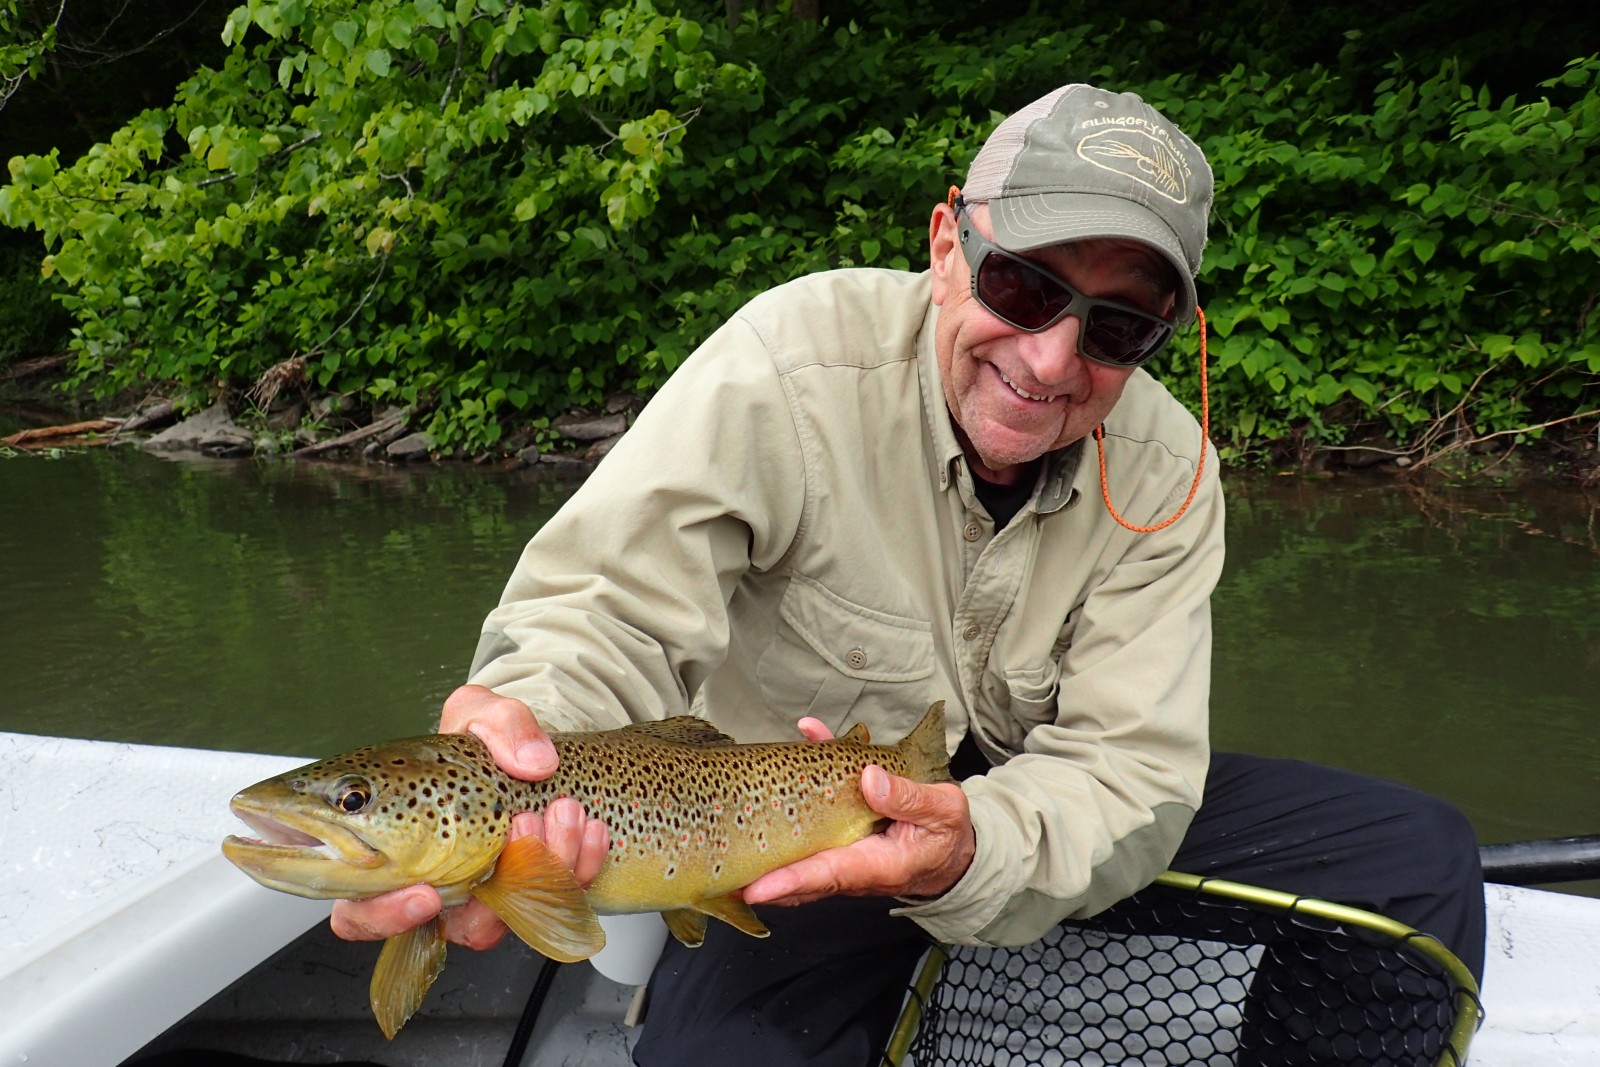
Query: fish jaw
(301, 853)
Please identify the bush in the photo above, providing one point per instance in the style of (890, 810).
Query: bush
(497, 211)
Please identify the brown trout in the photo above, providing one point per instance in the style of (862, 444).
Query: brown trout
(694, 818)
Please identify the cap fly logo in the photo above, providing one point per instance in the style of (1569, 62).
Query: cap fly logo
(1140, 155)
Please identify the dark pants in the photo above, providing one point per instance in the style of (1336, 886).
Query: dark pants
(826, 987)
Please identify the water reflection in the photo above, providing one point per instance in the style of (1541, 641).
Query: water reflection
(1446, 638)
(269, 607)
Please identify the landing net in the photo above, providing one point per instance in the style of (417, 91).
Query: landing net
(1202, 972)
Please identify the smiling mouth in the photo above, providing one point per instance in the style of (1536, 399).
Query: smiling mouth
(1015, 388)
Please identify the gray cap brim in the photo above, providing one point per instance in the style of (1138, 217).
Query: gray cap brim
(1023, 223)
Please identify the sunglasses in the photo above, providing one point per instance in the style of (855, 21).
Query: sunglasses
(1023, 294)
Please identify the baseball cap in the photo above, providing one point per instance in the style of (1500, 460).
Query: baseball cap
(1083, 162)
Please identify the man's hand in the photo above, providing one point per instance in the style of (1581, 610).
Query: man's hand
(521, 748)
(926, 849)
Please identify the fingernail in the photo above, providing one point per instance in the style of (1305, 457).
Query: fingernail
(418, 911)
(879, 783)
(537, 757)
(566, 815)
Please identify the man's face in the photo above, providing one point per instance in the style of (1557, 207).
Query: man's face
(1016, 395)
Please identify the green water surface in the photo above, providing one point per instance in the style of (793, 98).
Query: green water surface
(1446, 638)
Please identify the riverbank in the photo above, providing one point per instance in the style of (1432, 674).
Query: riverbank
(284, 418)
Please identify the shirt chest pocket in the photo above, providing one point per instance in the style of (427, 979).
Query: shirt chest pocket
(836, 660)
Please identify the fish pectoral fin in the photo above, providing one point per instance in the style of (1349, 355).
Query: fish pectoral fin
(687, 925)
(406, 968)
(535, 894)
(732, 910)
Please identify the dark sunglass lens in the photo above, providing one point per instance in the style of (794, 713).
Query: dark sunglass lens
(1018, 293)
(1114, 336)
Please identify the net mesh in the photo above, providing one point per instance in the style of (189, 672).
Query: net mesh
(1173, 977)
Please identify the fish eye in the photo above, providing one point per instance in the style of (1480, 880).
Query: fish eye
(351, 795)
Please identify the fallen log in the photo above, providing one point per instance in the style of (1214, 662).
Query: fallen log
(43, 434)
(158, 414)
(382, 425)
(38, 365)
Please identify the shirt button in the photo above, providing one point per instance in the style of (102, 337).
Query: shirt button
(856, 658)
(972, 531)
(972, 631)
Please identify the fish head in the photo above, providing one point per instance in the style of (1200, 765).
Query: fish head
(430, 809)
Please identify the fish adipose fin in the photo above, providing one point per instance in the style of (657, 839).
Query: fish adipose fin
(858, 732)
(535, 894)
(406, 968)
(681, 730)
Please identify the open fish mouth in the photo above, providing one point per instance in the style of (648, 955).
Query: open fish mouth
(286, 836)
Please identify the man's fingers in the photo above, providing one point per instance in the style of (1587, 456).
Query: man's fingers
(474, 925)
(900, 799)
(592, 856)
(814, 729)
(514, 737)
(384, 916)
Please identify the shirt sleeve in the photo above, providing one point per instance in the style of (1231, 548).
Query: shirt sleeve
(1098, 801)
(617, 608)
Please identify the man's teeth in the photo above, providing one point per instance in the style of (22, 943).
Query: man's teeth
(1021, 391)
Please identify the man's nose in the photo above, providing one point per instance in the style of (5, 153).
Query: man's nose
(1052, 354)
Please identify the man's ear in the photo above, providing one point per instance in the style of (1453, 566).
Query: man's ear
(944, 248)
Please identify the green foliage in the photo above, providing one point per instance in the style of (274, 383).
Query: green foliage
(1428, 256)
(23, 47)
(30, 321)
(496, 211)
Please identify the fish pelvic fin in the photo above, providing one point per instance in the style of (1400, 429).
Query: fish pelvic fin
(923, 749)
(688, 925)
(535, 894)
(406, 968)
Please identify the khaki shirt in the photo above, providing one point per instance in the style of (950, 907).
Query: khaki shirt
(790, 529)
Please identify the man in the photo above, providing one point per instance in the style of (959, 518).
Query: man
(870, 490)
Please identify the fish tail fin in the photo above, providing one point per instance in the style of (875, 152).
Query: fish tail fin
(535, 894)
(923, 748)
(406, 968)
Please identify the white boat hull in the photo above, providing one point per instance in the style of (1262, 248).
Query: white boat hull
(120, 919)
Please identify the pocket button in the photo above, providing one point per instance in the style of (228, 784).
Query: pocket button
(857, 659)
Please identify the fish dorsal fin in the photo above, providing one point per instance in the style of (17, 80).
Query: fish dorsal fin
(687, 925)
(732, 910)
(858, 732)
(680, 729)
(406, 968)
(535, 894)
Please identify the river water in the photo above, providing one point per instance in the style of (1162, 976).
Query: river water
(1448, 638)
